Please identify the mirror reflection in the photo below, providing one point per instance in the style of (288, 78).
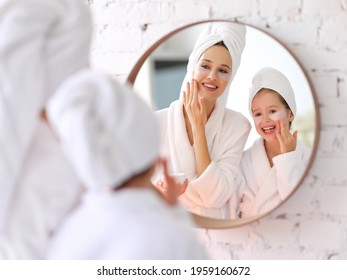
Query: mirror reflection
(257, 111)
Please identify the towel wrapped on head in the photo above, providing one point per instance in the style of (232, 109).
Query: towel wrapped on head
(273, 79)
(233, 35)
(108, 133)
(42, 43)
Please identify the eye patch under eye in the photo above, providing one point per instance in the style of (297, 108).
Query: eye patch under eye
(257, 119)
(206, 70)
(279, 115)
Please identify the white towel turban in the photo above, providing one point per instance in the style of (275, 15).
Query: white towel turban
(42, 42)
(271, 78)
(108, 133)
(234, 37)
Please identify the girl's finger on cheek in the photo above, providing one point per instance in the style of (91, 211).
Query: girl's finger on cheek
(278, 127)
(279, 136)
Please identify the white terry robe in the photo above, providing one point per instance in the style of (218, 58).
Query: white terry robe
(132, 223)
(226, 134)
(264, 187)
(42, 42)
(47, 191)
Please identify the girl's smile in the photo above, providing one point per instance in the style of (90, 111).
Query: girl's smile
(268, 110)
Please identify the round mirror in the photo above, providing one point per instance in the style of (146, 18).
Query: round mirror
(158, 77)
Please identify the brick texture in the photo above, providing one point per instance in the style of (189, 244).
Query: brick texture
(312, 224)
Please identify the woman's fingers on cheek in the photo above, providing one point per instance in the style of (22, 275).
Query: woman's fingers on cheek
(189, 91)
(201, 103)
(193, 91)
(195, 86)
(203, 107)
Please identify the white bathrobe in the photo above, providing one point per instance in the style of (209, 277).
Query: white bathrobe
(264, 187)
(226, 133)
(42, 43)
(47, 191)
(132, 223)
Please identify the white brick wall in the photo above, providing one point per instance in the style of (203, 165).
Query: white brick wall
(312, 224)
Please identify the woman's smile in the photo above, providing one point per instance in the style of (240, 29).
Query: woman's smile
(210, 86)
(212, 73)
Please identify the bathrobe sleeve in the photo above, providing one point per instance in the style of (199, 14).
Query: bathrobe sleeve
(216, 184)
(247, 188)
(289, 169)
(263, 187)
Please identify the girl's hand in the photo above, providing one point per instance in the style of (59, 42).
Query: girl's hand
(286, 139)
(194, 105)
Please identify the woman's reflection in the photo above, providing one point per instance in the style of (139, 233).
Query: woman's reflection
(274, 164)
(200, 137)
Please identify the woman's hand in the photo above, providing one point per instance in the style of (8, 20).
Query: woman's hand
(194, 105)
(180, 188)
(196, 119)
(286, 139)
(168, 187)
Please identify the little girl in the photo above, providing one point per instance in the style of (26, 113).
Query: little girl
(272, 167)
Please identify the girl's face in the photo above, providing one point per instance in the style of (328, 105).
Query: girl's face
(213, 72)
(267, 110)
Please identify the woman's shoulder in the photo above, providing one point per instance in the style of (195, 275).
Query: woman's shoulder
(235, 121)
(161, 116)
(236, 116)
(165, 111)
(161, 112)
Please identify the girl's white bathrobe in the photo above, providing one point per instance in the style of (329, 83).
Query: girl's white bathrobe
(132, 223)
(264, 187)
(226, 134)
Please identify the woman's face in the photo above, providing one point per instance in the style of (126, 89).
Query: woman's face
(267, 110)
(213, 72)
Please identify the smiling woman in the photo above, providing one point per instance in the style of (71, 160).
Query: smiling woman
(200, 137)
(158, 76)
